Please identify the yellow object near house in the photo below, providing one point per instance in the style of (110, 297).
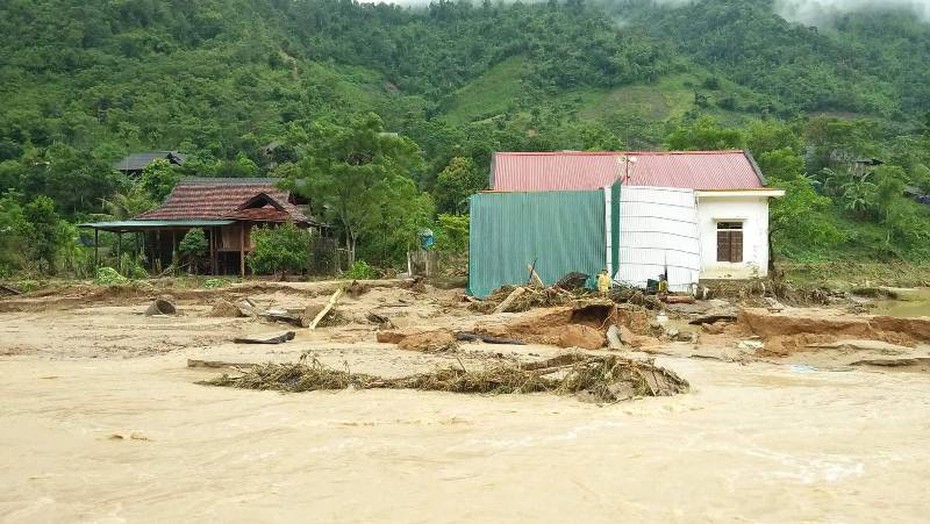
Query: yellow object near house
(603, 282)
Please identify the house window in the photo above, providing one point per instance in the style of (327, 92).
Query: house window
(729, 241)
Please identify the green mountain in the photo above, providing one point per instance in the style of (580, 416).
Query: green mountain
(83, 82)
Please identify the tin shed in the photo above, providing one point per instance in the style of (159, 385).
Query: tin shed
(559, 231)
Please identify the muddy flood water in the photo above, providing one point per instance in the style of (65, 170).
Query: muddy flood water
(110, 439)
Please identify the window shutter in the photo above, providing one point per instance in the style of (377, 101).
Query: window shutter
(723, 246)
(736, 246)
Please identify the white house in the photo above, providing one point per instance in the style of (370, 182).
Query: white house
(691, 214)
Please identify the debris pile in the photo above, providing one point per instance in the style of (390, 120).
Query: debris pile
(525, 300)
(599, 379)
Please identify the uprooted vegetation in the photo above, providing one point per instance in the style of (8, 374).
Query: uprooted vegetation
(528, 299)
(596, 378)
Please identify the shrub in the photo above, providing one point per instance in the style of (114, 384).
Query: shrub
(194, 247)
(215, 283)
(360, 270)
(280, 249)
(107, 276)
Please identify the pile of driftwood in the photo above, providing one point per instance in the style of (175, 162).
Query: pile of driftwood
(517, 299)
(596, 378)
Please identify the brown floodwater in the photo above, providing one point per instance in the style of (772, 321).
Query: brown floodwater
(136, 440)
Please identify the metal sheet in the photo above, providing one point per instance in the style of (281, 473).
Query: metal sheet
(658, 232)
(561, 231)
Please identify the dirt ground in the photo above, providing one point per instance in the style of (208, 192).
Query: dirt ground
(102, 420)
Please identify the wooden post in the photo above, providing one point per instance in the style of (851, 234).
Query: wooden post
(242, 249)
(119, 245)
(329, 305)
(96, 248)
(212, 250)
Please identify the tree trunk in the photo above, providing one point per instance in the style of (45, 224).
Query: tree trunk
(352, 252)
(771, 256)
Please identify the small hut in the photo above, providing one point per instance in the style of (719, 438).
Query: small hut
(227, 209)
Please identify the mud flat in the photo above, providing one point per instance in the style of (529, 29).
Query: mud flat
(103, 421)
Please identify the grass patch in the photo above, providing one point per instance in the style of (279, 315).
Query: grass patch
(493, 93)
(849, 275)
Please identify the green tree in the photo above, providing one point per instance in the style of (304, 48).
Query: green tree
(280, 249)
(158, 179)
(129, 204)
(42, 228)
(13, 232)
(194, 248)
(359, 176)
(704, 134)
(452, 233)
(454, 184)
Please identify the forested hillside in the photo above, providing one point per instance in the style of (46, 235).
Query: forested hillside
(84, 82)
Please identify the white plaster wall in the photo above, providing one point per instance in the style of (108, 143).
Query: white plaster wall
(754, 213)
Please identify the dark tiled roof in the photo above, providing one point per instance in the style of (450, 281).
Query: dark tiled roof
(218, 198)
(138, 161)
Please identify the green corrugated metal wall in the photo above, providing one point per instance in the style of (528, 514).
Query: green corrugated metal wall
(563, 231)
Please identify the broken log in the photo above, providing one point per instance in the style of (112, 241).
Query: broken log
(502, 307)
(7, 290)
(329, 305)
(679, 299)
(465, 336)
(197, 363)
(711, 319)
(278, 315)
(266, 339)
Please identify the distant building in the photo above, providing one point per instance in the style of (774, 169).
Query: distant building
(134, 163)
(227, 209)
(689, 215)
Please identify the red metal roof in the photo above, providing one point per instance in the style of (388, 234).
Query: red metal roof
(584, 170)
(198, 199)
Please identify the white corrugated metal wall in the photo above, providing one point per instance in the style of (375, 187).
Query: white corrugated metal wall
(658, 230)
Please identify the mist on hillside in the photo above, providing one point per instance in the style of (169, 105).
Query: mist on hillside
(810, 12)
(818, 12)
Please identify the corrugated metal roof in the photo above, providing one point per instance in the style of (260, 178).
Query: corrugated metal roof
(732, 169)
(560, 231)
(139, 161)
(200, 199)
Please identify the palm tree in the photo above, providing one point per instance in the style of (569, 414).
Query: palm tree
(124, 206)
